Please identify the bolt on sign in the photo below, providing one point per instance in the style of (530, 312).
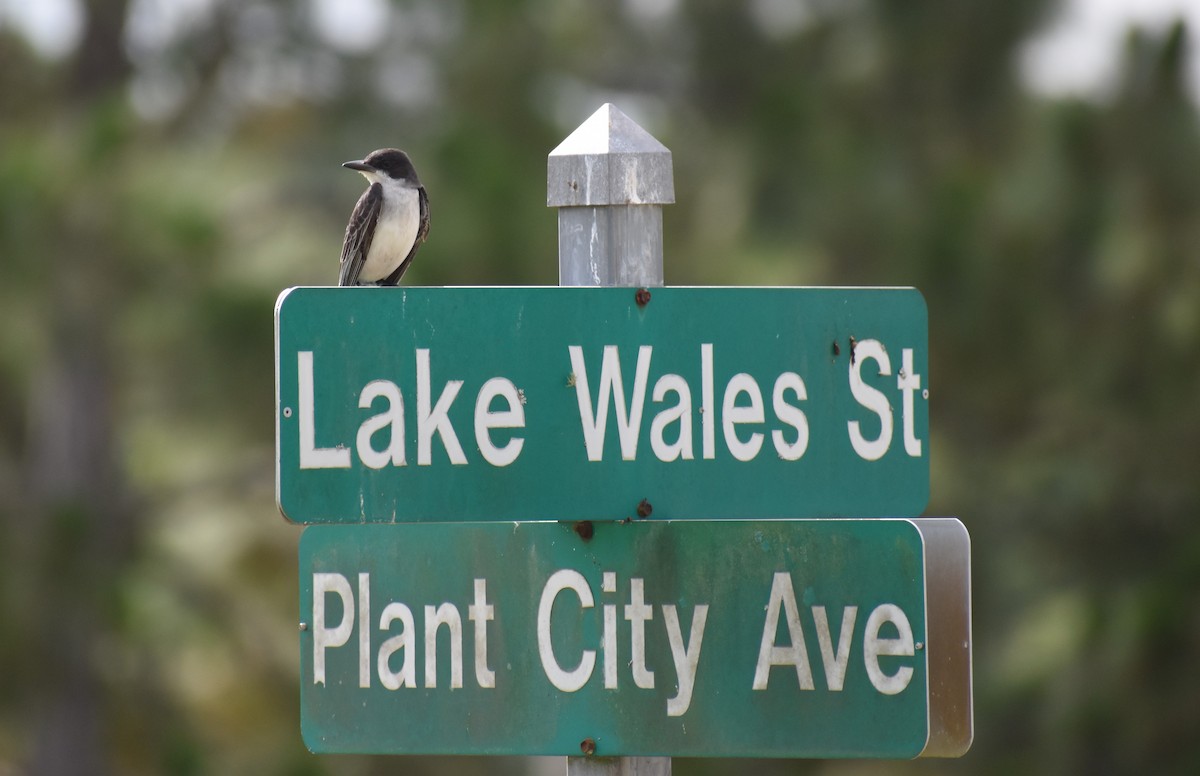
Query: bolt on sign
(498, 404)
(796, 638)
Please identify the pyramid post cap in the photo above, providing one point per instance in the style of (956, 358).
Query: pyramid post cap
(609, 160)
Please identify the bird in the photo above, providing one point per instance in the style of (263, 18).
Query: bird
(388, 224)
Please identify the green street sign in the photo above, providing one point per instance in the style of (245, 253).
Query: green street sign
(789, 638)
(479, 404)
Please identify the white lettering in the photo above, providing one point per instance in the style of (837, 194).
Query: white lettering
(406, 676)
(909, 383)
(796, 654)
(732, 415)
(874, 646)
(637, 613)
(311, 456)
(791, 415)
(435, 617)
(871, 398)
(392, 417)
(629, 422)
(835, 666)
(708, 410)
(364, 629)
(686, 656)
(435, 421)
(486, 420)
(480, 614)
(323, 637)
(609, 646)
(681, 413)
(567, 681)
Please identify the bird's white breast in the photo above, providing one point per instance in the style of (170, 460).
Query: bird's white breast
(395, 231)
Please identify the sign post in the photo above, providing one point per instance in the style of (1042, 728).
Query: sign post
(729, 560)
(609, 180)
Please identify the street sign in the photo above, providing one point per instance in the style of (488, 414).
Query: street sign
(445, 404)
(789, 638)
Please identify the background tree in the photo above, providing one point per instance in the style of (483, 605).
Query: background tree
(162, 181)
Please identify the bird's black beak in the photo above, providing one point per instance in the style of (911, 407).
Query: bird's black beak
(358, 165)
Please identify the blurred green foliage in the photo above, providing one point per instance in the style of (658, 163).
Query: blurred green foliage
(162, 183)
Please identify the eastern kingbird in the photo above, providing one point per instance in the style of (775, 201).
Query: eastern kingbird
(388, 224)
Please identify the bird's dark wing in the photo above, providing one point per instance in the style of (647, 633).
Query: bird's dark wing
(422, 233)
(359, 232)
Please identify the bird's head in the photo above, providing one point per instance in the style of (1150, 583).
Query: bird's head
(386, 163)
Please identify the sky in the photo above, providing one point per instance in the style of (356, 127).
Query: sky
(1076, 54)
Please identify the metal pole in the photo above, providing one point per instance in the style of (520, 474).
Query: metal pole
(609, 180)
